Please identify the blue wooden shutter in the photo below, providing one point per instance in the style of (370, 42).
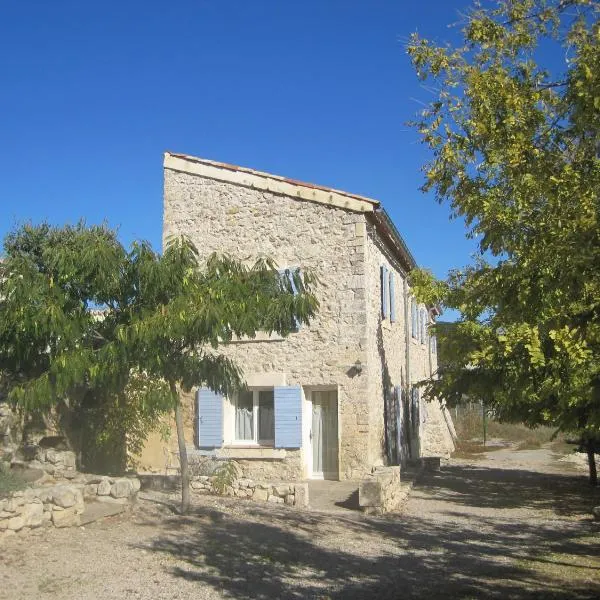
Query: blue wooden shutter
(210, 419)
(415, 324)
(384, 292)
(392, 298)
(288, 417)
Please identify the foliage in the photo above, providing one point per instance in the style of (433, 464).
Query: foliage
(515, 146)
(85, 323)
(224, 476)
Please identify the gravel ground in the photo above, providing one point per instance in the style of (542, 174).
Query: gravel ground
(507, 525)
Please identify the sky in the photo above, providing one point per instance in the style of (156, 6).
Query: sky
(93, 93)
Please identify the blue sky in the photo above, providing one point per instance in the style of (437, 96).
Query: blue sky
(93, 93)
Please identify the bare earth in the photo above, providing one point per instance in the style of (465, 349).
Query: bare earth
(507, 525)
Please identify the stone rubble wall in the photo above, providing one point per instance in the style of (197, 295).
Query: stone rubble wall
(62, 504)
(292, 494)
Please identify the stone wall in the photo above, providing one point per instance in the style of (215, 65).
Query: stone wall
(62, 504)
(224, 217)
(290, 493)
(386, 362)
(240, 215)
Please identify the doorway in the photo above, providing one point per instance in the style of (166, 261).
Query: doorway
(324, 435)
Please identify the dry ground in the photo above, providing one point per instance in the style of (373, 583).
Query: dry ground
(506, 525)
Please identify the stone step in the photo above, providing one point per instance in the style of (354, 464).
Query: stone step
(100, 510)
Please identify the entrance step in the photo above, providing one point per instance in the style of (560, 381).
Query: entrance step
(333, 496)
(100, 510)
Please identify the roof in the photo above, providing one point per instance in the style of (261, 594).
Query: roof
(296, 189)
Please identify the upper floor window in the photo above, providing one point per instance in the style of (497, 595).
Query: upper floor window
(424, 324)
(414, 319)
(388, 293)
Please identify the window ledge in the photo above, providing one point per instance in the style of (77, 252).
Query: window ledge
(252, 452)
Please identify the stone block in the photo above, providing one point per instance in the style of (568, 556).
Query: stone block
(275, 499)
(369, 493)
(104, 488)
(290, 500)
(301, 495)
(16, 523)
(260, 495)
(91, 489)
(32, 514)
(281, 490)
(136, 484)
(66, 518)
(121, 488)
(66, 496)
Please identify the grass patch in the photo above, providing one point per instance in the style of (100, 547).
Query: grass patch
(10, 481)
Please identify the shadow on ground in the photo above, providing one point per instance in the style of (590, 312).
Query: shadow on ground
(262, 553)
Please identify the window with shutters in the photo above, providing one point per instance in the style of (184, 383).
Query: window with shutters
(415, 318)
(255, 417)
(385, 292)
(424, 323)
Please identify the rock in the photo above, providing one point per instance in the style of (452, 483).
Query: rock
(33, 514)
(370, 493)
(66, 518)
(197, 485)
(66, 496)
(275, 499)
(90, 489)
(121, 488)
(260, 495)
(281, 490)
(596, 513)
(244, 483)
(104, 487)
(16, 523)
(289, 499)
(301, 495)
(136, 484)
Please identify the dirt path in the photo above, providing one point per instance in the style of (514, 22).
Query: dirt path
(490, 528)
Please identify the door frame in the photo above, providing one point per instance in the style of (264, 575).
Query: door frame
(307, 420)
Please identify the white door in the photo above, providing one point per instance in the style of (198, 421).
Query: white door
(324, 435)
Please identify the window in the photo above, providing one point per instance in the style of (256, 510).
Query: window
(424, 323)
(385, 292)
(415, 320)
(255, 417)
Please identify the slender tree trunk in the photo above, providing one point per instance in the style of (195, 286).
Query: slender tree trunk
(183, 461)
(591, 456)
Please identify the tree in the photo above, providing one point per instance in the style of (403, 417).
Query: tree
(159, 318)
(514, 131)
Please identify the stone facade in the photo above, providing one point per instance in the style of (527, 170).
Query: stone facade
(61, 504)
(341, 239)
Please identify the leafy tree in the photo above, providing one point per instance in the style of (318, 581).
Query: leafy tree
(159, 327)
(514, 131)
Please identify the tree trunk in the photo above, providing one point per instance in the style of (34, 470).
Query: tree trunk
(183, 461)
(590, 449)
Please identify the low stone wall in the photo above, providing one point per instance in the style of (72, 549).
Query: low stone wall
(381, 491)
(292, 494)
(61, 504)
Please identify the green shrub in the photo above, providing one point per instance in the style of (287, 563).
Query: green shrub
(224, 476)
(10, 481)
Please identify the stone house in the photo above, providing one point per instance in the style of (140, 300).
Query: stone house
(336, 397)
